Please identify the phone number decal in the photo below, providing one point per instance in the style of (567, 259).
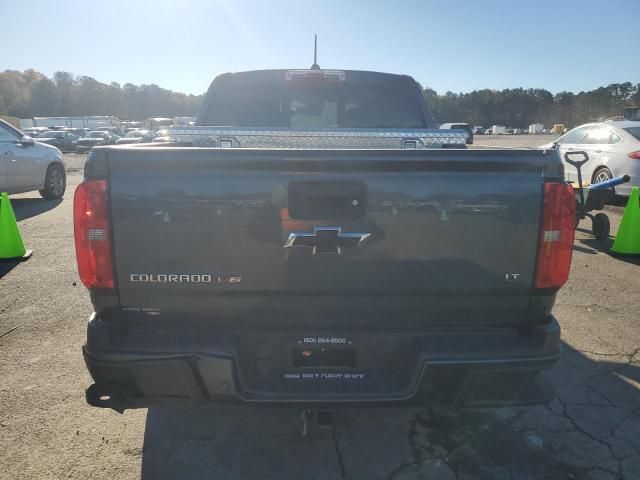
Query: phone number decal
(326, 340)
(324, 376)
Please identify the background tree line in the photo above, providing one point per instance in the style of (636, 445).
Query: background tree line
(520, 107)
(30, 93)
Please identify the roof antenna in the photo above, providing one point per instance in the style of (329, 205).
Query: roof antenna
(315, 65)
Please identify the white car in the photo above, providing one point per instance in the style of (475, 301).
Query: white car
(613, 148)
(27, 165)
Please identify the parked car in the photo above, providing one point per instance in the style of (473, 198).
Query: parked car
(34, 131)
(613, 149)
(460, 126)
(136, 136)
(80, 132)
(64, 141)
(478, 130)
(113, 137)
(27, 165)
(128, 125)
(163, 135)
(93, 139)
(114, 131)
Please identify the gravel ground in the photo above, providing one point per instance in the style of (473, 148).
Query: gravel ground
(591, 430)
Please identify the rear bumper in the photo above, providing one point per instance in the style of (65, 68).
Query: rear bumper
(472, 368)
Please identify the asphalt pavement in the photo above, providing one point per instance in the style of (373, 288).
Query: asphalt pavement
(591, 429)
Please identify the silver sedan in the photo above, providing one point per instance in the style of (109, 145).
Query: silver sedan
(613, 148)
(27, 165)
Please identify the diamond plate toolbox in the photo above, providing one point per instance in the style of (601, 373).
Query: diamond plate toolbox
(318, 139)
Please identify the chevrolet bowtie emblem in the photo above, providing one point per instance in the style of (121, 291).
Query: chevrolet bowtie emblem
(326, 240)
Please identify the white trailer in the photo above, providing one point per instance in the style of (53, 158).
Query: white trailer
(51, 121)
(26, 123)
(100, 121)
(536, 128)
(498, 130)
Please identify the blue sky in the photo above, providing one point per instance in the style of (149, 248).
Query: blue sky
(458, 46)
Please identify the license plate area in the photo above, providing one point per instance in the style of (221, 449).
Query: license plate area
(327, 363)
(324, 357)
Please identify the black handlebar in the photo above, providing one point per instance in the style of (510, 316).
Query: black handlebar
(577, 163)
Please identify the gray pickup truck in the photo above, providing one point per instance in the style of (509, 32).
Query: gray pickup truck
(314, 239)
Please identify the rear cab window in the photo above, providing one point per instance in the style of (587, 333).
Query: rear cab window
(271, 99)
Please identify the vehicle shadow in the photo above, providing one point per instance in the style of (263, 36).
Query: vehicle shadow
(6, 266)
(595, 396)
(594, 246)
(24, 208)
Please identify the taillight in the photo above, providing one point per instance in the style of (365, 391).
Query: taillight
(635, 155)
(91, 231)
(556, 236)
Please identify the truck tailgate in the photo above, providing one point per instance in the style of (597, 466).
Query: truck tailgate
(393, 238)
